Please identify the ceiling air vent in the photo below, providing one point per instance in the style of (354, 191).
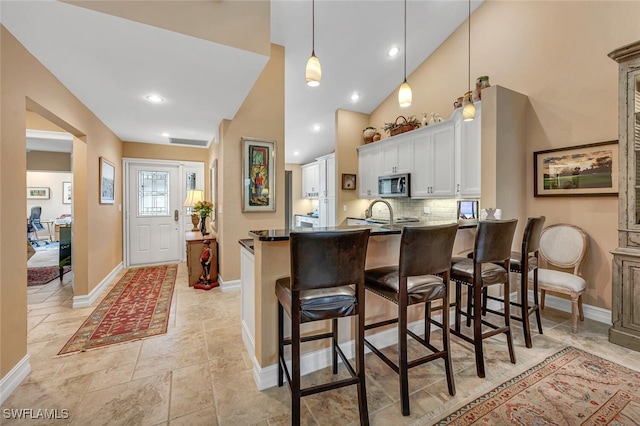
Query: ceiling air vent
(190, 142)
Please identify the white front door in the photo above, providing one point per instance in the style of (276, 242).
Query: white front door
(153, 214)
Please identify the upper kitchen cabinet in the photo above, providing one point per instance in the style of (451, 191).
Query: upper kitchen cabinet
(397, 155)
(468, 153)
(433, 160)
(369, 168)
(311, 180)
(625, 309)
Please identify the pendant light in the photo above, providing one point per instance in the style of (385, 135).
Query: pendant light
(404, 94)
(468, 108)
(313, 71)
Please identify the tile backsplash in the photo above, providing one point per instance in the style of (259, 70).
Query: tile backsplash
(439, 209)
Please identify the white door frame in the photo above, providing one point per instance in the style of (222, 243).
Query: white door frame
(196, 166)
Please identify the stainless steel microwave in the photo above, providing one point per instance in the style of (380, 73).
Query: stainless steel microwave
(394, 186)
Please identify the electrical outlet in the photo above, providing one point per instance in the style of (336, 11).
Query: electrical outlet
(426, 210)
(344, 208)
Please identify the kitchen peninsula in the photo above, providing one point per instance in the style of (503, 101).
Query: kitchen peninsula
(265, 258)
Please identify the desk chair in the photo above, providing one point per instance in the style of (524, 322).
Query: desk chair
(34, 225)
(326, 283)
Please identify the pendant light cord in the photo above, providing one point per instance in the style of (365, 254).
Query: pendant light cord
(405, 41)
(313, 28)
(469, 53)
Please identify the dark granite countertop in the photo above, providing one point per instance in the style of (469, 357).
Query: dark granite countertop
(283, 234)
(247, 243)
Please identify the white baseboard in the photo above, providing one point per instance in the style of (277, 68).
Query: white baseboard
(85, 301)
(231, 285)
(12, 380)
(592, 312)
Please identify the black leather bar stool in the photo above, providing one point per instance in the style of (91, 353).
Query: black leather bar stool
(424, 252)
(326, 283)
(492, 244)
(522, 263)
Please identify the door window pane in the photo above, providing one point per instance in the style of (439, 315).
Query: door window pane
(153, 193)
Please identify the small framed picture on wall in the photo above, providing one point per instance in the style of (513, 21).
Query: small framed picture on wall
(348, 181)
(66, 192)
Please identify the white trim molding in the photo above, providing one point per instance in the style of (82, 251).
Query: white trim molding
(592, 312)
(231, 285)
(85, 301)
(12, 380)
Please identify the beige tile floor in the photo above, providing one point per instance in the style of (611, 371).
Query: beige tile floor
(199, 372)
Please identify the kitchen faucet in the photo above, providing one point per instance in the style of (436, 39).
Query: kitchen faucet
(369, 212)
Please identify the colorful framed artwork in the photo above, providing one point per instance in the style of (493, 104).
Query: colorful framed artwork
(581, 170)
(107, 181)
(66, 193)
(348, 181)
(38, 193)
(258, 175)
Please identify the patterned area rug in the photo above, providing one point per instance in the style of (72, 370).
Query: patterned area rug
(571, 387)
(44, 274)
(137, 307)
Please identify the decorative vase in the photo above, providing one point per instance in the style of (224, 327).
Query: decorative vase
(203, 225)
(368, 134)
(377, 137)
(482, 82)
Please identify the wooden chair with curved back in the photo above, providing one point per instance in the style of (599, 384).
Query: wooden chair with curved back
(563, 246)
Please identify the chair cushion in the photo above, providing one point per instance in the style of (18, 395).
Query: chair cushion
(491, 274)
(516, 262)
(386, 283)
(549, 279)
(315, 305)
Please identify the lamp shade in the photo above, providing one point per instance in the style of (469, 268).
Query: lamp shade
(314, 71)
(404, 95)
(468, 108)
(193, 196)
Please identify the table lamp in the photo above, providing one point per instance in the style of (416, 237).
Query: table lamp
(194, 196)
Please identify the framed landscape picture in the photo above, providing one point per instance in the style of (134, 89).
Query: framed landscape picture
(258, 175)
(38, 193)
(107, 181)
(577, 170)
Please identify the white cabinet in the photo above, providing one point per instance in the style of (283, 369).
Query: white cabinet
(433, 172)
(307, 221)
(310, 180)
(468, 149)
(327, 193)
(396, 155)
(369, 168)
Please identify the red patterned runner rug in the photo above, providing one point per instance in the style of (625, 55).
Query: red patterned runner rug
(571, 387)
(137, 307)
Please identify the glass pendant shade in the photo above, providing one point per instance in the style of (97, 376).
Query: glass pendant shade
(404, 95)
(313, 72)
(468, 109)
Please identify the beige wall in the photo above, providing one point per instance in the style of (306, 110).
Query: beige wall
(27, 85)
(556, 54)
(349, 126)
(299, 205)
(260, 116)
(51, 161)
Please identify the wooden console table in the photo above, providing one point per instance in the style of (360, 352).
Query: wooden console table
(194, 250)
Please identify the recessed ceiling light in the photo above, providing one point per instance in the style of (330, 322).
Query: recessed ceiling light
(165, 134)
(154, 98)
(355, 97)
(296, 153)
(316, 127)
(393, 51)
